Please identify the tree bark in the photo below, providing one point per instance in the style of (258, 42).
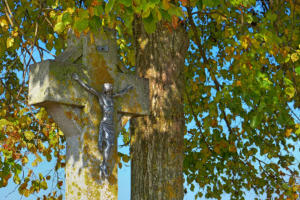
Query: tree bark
(157, 141)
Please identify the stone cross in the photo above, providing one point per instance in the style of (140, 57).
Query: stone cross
(78, 113)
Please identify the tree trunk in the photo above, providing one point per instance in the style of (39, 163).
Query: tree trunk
(157, 140)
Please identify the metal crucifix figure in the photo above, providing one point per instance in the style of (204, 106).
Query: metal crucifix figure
(107, 128)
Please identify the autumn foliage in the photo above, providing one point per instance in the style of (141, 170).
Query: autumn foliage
(242, 91)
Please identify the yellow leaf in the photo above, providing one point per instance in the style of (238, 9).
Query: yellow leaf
(146, 13)
(4, 123)
(24, 160)
(245, 42)
(29, 135)
(158, 14)
(9, 42)
(288, 132)
(70, 10)
(166, 4)
(44, 185)
(3, 22)
(14, 33)
(34, 163)
(60, 133)
(52, 14)
(290, 91)
(26, 193)
(294, 57)
(37, 160)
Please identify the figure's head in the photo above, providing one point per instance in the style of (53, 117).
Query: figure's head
(108, 88)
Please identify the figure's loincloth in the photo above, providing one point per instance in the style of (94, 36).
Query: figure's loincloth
(107, 131)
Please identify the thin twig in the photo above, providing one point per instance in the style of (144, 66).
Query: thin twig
(209, 13)
(49, 22)
(46, 51)
(31, 57)
(294, 113)
(8, 13)
(13, 191)
(8, 17)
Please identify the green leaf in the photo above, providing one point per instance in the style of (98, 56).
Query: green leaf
(126, 3)
(59, 27)
(249, 18)
(95, 23)
(297, 129)
(146, 13)
(211, 3)
(83, 14)
(165, 15)
(271, 16)
(290, 91)
(256, 120)
(109, 6)
(17, 179)
(98, 10)
(149, 24)
(44, 185)
(173, 10)
(18, 169)
(67, 18)
(154, 1)
(192, 187)
(41, 176)
(297, 70)
(81, 24)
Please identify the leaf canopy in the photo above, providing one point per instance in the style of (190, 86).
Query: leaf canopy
(242, 87)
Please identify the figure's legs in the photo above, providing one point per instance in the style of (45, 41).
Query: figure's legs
(106, 155)
(109, 140)
(100, 138)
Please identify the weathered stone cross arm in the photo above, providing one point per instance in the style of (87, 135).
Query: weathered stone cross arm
(50, 82)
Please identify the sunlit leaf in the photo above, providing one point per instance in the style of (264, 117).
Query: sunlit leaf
(29, 135)
(10, 42)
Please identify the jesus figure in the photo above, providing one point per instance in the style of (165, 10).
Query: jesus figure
(106, 129)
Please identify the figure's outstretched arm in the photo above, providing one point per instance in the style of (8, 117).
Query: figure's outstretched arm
(85, 86)
(124, 91)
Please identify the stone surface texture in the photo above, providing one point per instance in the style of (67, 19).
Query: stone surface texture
(78, 113)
